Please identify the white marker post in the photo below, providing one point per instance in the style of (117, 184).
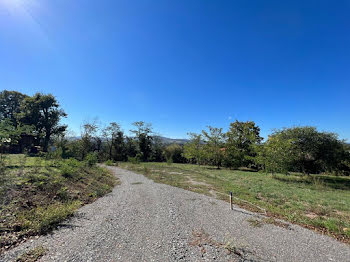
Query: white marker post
(231, 201)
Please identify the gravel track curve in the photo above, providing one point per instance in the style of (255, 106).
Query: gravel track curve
(145, 221)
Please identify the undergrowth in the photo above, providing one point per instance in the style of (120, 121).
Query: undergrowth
(38, 194)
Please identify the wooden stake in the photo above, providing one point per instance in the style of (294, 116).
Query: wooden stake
(231, 200)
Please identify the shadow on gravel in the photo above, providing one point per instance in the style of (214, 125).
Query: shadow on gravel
(70, 226)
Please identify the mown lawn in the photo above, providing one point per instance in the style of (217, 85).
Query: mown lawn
(318, 202)
(37, 194)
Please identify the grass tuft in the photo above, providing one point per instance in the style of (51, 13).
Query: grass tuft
(32, 255)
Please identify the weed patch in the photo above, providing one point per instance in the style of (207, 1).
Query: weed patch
(32, 255)
(37, 194)
(255, 222)
(137, 183)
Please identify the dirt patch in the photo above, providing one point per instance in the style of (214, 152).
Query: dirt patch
(196, 183)
(193, 182)
(312, 215)
(228, 250)
(268, 220)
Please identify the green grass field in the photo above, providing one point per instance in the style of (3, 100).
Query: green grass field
(318, 202)
(37, 194)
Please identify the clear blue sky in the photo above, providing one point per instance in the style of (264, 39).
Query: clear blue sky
(183, 64)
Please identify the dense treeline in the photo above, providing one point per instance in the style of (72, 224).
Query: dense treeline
(298, 149)
(32, 124)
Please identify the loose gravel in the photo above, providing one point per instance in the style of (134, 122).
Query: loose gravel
(145, 221)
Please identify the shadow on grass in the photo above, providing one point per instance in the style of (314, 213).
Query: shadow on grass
(342, 183)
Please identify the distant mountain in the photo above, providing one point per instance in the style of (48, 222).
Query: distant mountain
(167, 140)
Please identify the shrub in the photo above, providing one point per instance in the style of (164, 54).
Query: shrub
(91, 159)
(70, 167)
(68, 171)
(134, 160)
(102, 190)
(63, 194)
(111, 163)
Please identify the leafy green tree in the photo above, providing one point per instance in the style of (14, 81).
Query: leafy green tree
(89, 133)
(13, 135)
(275, 155)
(173, 153)
(10, 105)
(44, 113)
(119, 148)
(194, 149)
(110, 134)
(242, 139)
(314, 151)
(157, 149)
(131, 147)
(214, 145)
(8, 131)
(143, 134)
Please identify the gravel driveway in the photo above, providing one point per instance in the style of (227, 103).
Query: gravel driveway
(144, 221)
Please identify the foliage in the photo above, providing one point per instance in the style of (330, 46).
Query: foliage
(44, 113)
(133, 160)
(111, 163)
(214, 145)
(91, 159)
(32, 123)
(88, 142)
(143, 135)
(29, 122)
(70, 167)
(194, 149)
(276, 155)
(242, 139)
(115, 142)
(10, 106)
(313, 151)
(173, 153)
(157, 150)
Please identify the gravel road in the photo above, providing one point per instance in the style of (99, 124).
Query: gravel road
(145, 221)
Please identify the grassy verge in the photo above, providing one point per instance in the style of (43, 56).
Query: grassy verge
(37, 194)
(317, 202)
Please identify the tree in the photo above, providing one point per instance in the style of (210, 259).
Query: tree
(143, 136)
(109, 134)
(89, 133)
(276, 155)
(10, 105)
(173, 153)
(130, 147)
(193, 150)
(44, 113)
(241, 140)
(214, 142)
(313, 151)
(157, 149)
(119, 146)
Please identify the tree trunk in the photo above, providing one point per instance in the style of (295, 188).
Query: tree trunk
(46, 142)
